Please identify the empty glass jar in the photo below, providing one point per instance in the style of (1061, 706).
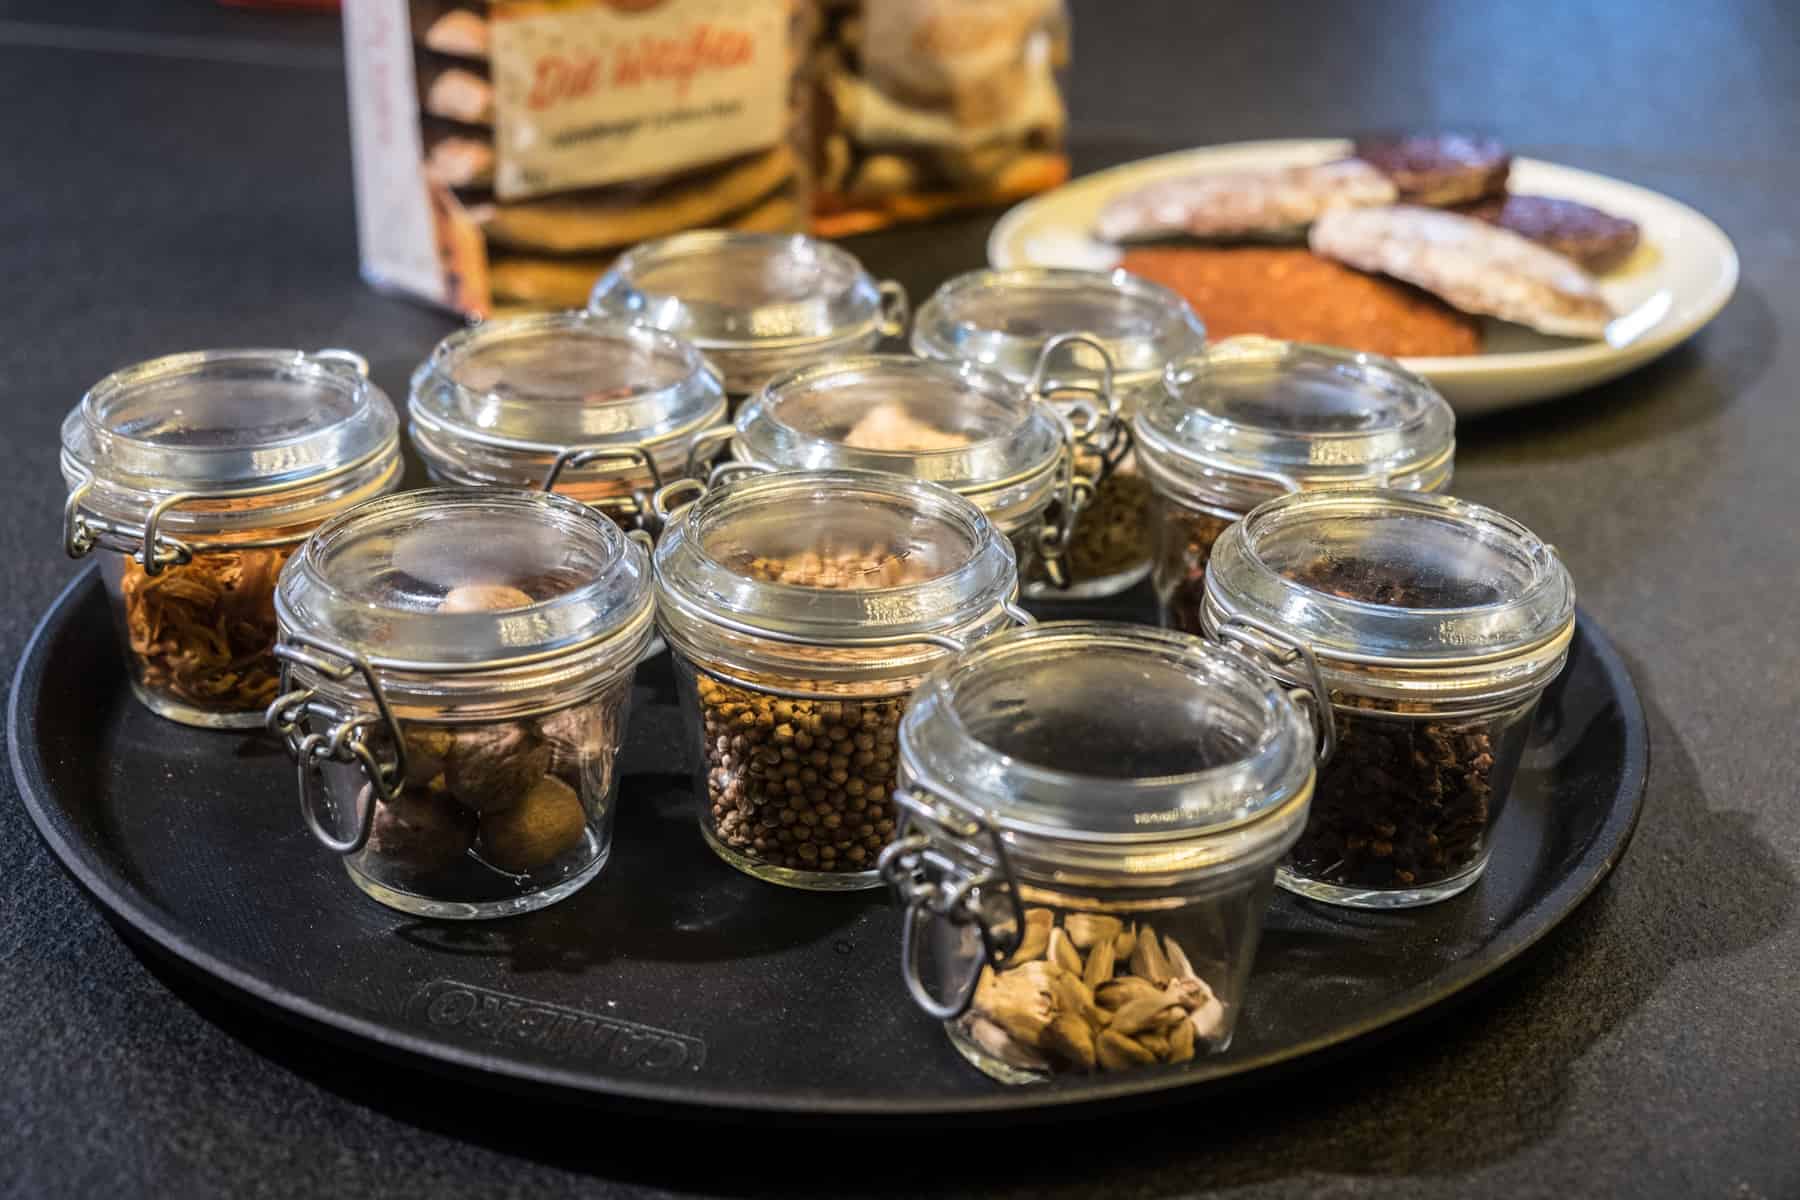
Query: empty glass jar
(951, 423)
(802, 608)
(1091, 815)
(1251, 418)
(756, 304)
(1436, 625)
(196, 476)
(1119, 332)
(602, 410)
(458, 667)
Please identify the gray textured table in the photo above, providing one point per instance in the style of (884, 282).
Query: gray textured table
(179, 177)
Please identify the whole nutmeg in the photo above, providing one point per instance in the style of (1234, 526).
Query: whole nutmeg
(483, 597)
(419, 831)
(491, 767)
(427, 748)
(547, 823)
(571, 735)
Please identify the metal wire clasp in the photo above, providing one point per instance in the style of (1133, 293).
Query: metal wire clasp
(896, 309)
(576, 457)
(1281, 652)
(83, 532)
(344, 739)
(931, 884)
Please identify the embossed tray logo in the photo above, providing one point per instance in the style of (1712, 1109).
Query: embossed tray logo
(571, 1033)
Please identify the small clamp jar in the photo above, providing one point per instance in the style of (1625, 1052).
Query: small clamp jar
(197, 475)
(1120, 332)
(1091, 817)
(457, 666)
(954, 424)
(802, 608)
(756, 304)
(1250, 418)
(1437, 625)
(601, 410)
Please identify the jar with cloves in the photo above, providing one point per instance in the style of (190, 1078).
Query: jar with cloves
(1436, 626)
(601, 410)
(1090, 819)
(457, 667)
(1250, 418)
(802, 608)
(1102, 336)
(195, 477)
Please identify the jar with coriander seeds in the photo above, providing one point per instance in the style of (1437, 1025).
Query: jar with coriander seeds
(802, 607)
(954, 424)
(1250, 418)
(1117, 333)
(1437, 625)
(601, 410)
(755, 304)
(1090, 820)
(457, 672)
(194, 477)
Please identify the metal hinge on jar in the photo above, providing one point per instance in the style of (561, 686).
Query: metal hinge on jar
(1268, 648)
(1090, 430)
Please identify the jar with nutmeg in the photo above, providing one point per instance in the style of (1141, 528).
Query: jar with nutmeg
(457, 667)
(1091, 815)
(194, 477)
(1250, 418)
(802, 608)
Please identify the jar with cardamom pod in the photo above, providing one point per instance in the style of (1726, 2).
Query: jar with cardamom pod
(1115, 334)
(457, 667)
(194, 477)
(802, 608)
(1250, 418)
(954, 424)
(1090, 820)
(1437, 626)
(755, 304)
(601, 410)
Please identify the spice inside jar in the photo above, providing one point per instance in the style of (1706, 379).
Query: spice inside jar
(802, 608)
(1250, 418)
(1437, 626)
(195, 477)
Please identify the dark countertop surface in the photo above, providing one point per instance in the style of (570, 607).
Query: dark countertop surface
(181, 179)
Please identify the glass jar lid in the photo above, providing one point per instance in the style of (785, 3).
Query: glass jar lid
(1403, 592)
(1145, 750)
(460, 581)
(255, 424)
(754, 303)
(951, 423)
(833, 559)
(1002, 319)
(1295, 416)
(496, 403)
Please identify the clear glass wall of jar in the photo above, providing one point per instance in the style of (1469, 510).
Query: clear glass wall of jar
(802, 608)
(1091, 817)
(755, 304)
(1251, 418)
(602, 410)
(195, 476)
(1436, 625)
(1127, 331)
(951, 423)
(458, 672)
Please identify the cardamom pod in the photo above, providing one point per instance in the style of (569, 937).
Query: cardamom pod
(1071, 1039)
(1147, 961)
(1179, 965)
(1099, 964)
(1125, 943)
(1145, 1012)
(1062, 952)
(1155, 1043)
(1116, 1052)
(1003, 1046)
(1116, 993)
(1018, 1004)
(1036, 938)
(1209, 1019)
(1087, 930)
(1181, 1042)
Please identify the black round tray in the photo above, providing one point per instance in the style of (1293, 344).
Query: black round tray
(674, 980)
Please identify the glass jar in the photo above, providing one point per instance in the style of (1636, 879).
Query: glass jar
(198, 475)
(1126, 330)
(604, 411)
(1250, 418)
(1437, 625)
(458, 665)
(954, 424)
(756, 304)
(1091, 816)
(802, 608)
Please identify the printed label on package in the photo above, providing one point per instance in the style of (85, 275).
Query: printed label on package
(600, 94)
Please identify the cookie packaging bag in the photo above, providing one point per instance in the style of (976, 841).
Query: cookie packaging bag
(923, 107)
(506, 152)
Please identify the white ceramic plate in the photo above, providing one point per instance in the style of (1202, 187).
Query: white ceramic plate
(1681, 276)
